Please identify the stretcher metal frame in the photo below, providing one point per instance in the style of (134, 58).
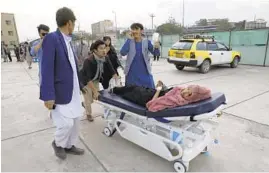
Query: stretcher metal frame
(176, 139)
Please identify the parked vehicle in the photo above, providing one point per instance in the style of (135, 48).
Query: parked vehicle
(201, 51)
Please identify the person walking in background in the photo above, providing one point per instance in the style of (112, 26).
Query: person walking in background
(156, 54)
(36, 49)
(114, 60)
(138, 68)
(17, 52)
(22, 54)
(7, 52)
(3, 52)
(82, 53)
(60, 87)
(29, 58)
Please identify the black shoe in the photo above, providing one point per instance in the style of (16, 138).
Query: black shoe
(74, 150)
(59, 151)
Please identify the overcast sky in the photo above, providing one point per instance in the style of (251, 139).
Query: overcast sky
(30, 13)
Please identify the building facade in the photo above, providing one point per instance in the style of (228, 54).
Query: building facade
(9, 33)
(100, 29)
(259, 23)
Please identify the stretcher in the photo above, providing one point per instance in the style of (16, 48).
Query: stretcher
(177, 134)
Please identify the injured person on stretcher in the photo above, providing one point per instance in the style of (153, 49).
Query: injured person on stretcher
(173, 123)
(162, 97)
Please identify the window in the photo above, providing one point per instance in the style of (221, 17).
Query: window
(12, 42)
(221, 46)
(201, 46)
(182, 45)
(8, 22)
(10, 33)
(212, 46)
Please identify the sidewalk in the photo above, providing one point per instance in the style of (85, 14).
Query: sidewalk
(243, 133)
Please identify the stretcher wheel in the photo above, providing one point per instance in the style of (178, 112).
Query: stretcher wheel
(179, 166)
(107, 132)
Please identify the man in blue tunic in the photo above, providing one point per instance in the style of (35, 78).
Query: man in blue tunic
(138, 69)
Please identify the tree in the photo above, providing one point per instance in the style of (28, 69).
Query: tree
(240, 25)
(172, 20)
(76, 37)
(124, 33)
(202, 22)
(221, 24)
(170, 27)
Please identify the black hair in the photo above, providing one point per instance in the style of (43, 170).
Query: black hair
(105, 38)
(96, 44)
(137, 26)
(63, 15)
(91, 47)
(43, 27)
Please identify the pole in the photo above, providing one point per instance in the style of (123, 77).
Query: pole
(152, 16)
(255, 21)
(183, 14)
(266, 49)
(116, 24)
(230, 38)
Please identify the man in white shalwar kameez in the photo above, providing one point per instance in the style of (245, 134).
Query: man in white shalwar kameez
(60, 88)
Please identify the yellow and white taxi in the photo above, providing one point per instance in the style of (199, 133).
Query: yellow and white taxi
(201, 51)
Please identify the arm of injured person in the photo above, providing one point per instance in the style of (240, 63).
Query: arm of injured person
(159, 87)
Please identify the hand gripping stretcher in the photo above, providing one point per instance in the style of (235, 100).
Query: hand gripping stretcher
(177, 134)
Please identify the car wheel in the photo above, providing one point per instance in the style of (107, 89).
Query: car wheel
(180, 67)
(205, 67)
(235, 62)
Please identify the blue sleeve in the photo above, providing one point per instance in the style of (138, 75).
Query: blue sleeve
(150, 48)
(125, 48)
(32, 51)
(47, 90)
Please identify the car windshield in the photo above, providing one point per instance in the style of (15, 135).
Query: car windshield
(183, 45)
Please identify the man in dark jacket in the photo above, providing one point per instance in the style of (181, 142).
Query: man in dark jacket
(17, 52)
(7, 52)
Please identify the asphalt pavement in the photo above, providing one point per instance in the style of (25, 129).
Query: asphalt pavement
(243, 132)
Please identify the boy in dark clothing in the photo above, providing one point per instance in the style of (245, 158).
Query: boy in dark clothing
(92, 73)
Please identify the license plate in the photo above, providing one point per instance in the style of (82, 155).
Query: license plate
(179, 55)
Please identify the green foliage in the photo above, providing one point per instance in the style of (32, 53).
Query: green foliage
(170, 27)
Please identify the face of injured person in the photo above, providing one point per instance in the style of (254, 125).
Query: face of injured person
(186, 92)
(101, 51)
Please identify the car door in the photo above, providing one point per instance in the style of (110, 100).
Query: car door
(201, 51)
(226, 54)
(214, 54)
